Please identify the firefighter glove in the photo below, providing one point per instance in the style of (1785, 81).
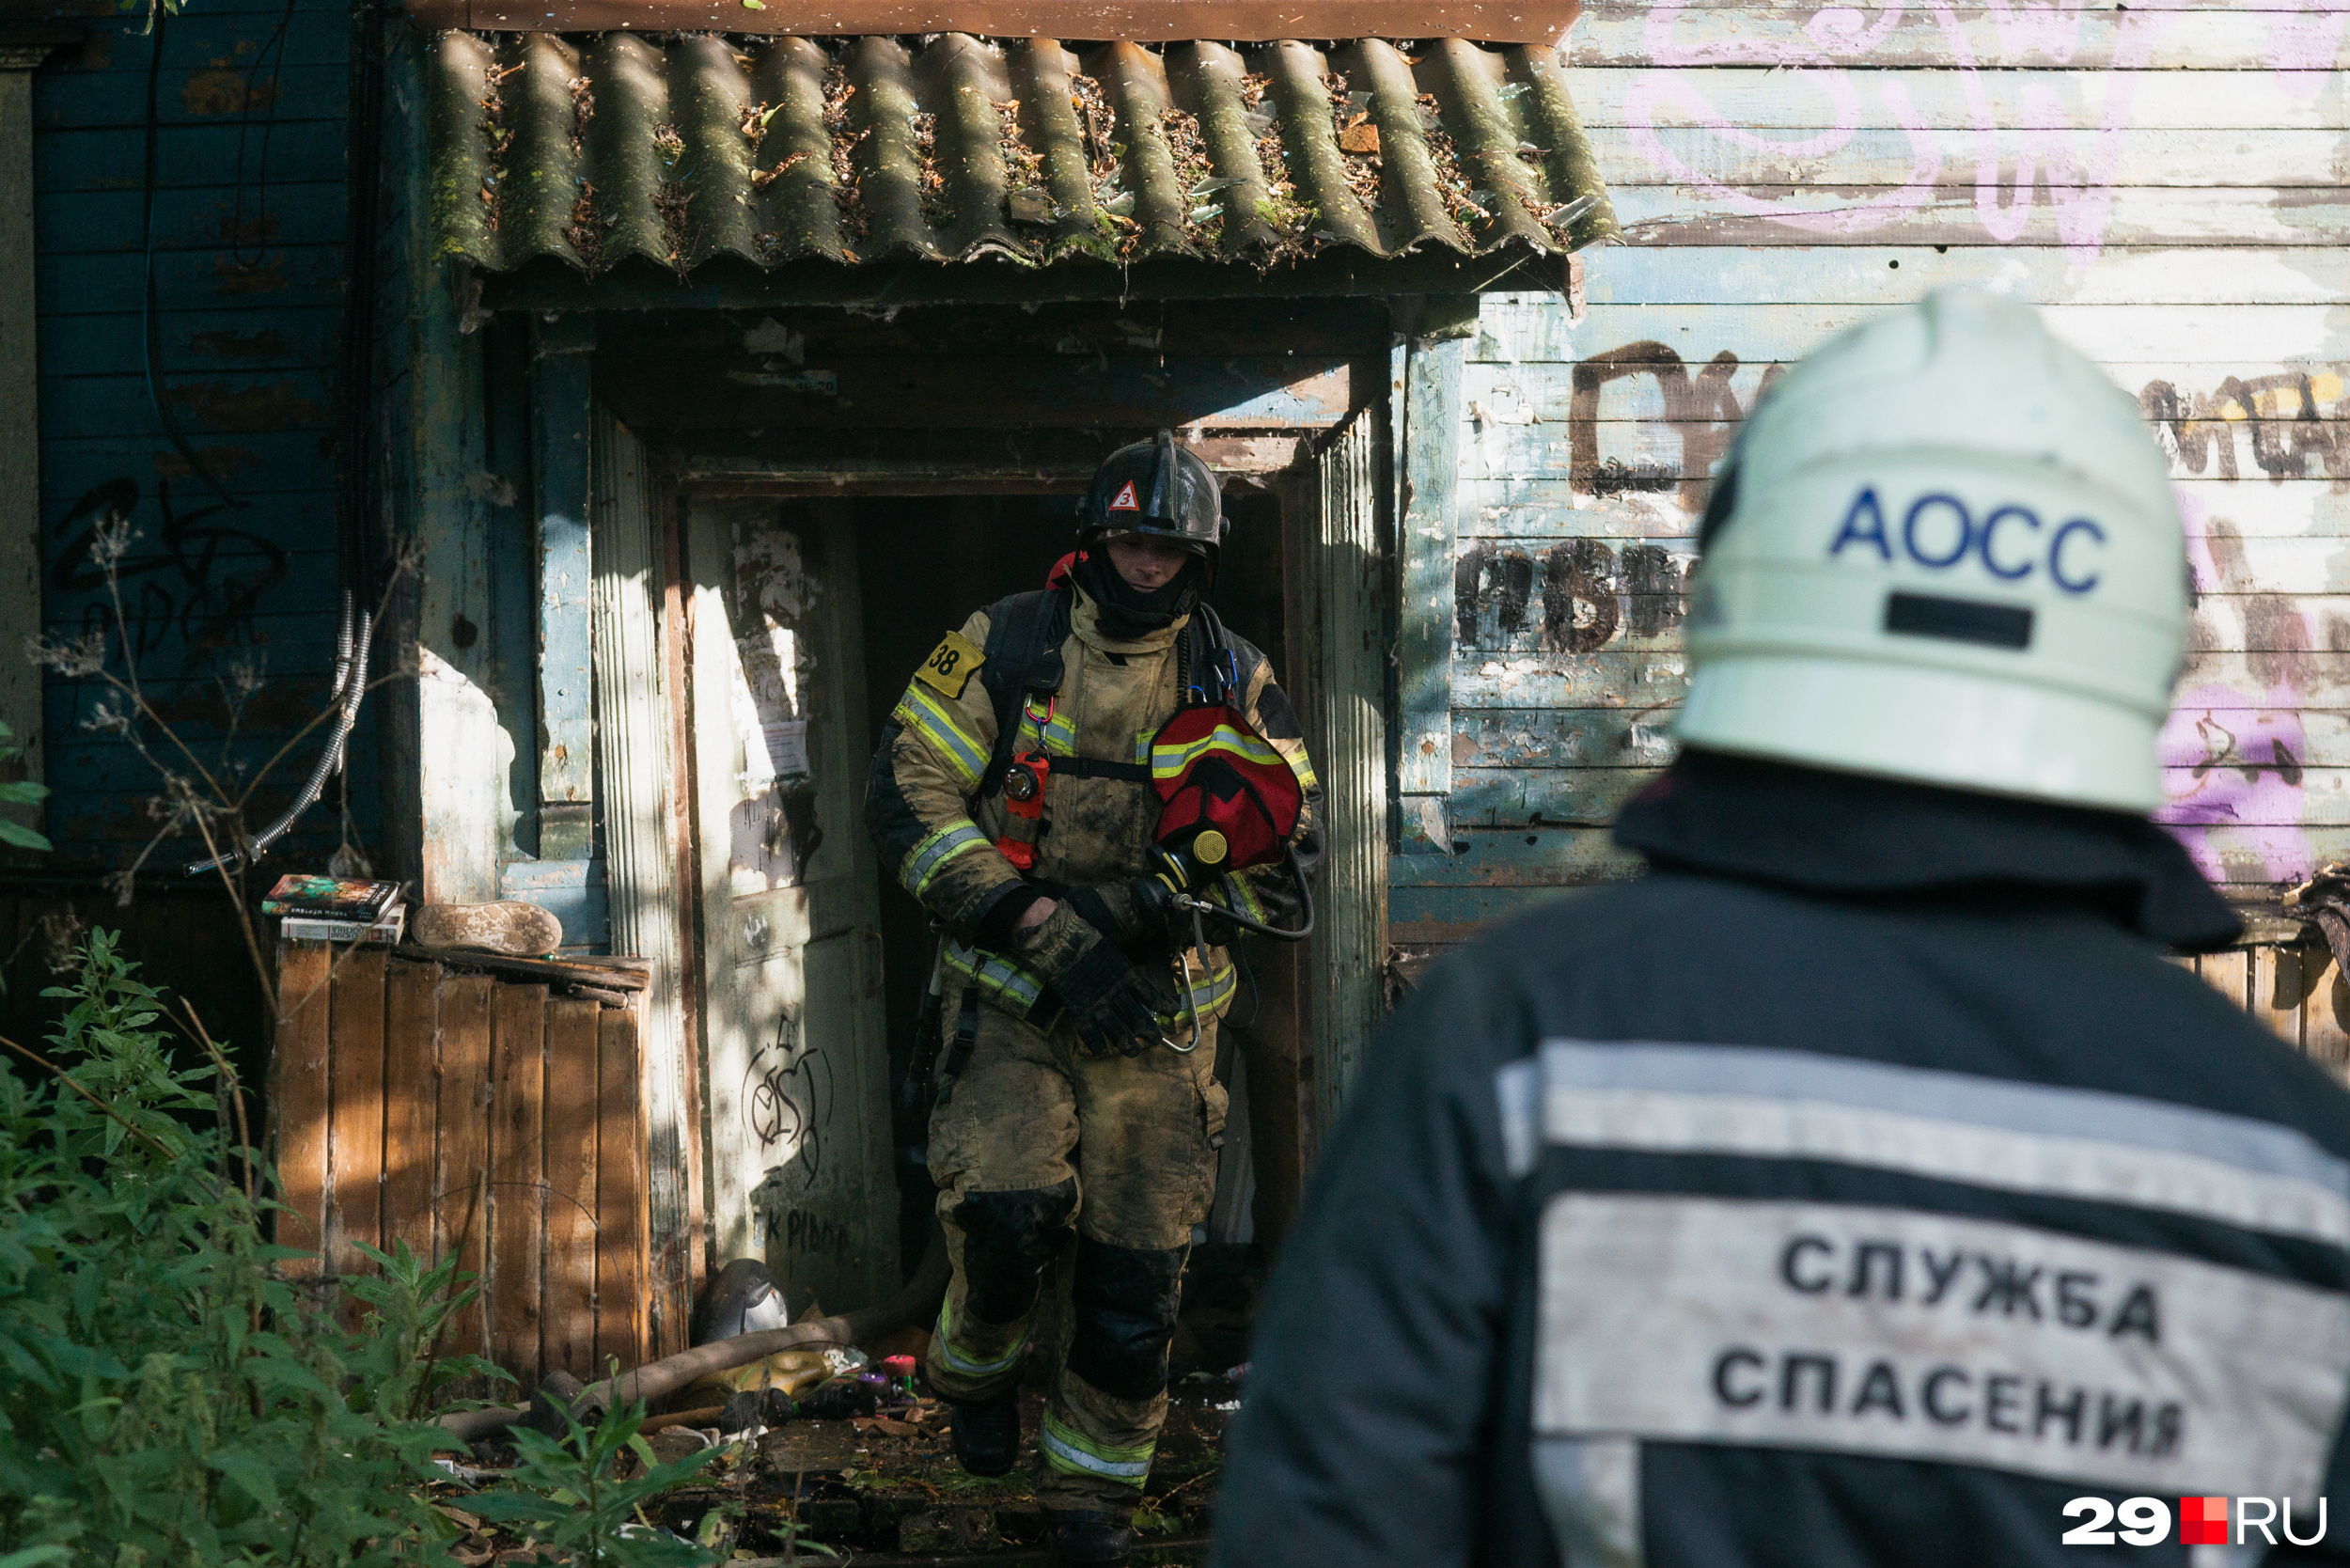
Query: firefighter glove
(1140, 914)
(1154, 906)
(1108, 1000)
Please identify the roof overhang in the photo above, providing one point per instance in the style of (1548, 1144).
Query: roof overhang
(857, 169)
(1534, 21)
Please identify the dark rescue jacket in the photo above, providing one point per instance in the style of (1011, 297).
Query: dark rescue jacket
(1861, 1187)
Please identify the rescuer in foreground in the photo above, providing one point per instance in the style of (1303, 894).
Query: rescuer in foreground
(1862, 1186)
(1093, 788)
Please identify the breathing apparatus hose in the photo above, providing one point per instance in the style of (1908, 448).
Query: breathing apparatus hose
(1198, 906)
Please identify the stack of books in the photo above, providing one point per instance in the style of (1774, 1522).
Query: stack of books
(336, 909)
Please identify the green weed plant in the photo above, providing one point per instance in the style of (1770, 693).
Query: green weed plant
(169, 1397)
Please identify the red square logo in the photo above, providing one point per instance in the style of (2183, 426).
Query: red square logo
(2203, 1521)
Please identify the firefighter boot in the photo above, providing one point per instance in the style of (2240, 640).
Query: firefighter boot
(1089, 1537)
(987, 1434)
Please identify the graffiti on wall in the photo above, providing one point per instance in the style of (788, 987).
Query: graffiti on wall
(2025, 146)
(189, 592)
(2292, 418)
(2237, 750)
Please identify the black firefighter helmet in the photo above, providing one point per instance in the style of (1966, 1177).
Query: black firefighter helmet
(1157, 489)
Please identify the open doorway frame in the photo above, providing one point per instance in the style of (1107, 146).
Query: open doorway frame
(1335, 501)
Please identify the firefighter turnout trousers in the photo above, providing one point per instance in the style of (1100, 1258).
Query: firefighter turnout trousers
(1043, 1152)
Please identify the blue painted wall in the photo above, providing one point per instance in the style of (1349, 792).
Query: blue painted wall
(249, 221)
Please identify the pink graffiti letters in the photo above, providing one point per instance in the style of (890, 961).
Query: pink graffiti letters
(2019, 154)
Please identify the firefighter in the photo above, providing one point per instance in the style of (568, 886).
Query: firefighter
(1862, 1185)
(1078, 1114)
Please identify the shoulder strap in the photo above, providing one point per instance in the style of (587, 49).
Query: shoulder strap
(1021, 628)
(1202, 675)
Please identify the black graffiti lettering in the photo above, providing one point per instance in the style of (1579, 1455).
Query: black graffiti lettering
(2074, 1305)
(1788, 1259)
(787, 1096)
(2002, 1393)
(1791, 1372)
(1579, 609)
(2138, 1315)
(2070, 1412)
(1589, 593)
(2168, 1421)
(202, 587)
(1486, 576)
(1880, 1390)
(1652, 590)
(804, 1232)
(2007, 1285)
(1940, 1273)
(2116, 1420)
(1864, 1256)
(1930, 1395)
(2280, 413)
(1702, 407)
(1735, 1357)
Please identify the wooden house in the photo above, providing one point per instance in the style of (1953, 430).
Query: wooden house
(703, 358)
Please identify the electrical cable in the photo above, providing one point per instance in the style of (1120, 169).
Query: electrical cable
(274, 45)
(150, 325)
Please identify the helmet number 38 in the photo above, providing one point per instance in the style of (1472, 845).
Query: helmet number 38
(1938, 531)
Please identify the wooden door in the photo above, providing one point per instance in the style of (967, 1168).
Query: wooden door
(793, 1031)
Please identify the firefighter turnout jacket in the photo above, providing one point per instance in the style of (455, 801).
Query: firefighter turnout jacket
(1861, 1187)
(937, 827)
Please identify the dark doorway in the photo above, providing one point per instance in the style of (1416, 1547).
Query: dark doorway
(924, 563)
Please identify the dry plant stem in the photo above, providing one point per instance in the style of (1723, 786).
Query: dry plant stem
(78, 1088)
(236, 1092)
(244, 924)
(480, 1190)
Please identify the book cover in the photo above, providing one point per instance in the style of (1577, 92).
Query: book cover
(387, 932)
(329, 898)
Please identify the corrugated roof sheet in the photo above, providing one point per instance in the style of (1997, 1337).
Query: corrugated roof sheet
(611, 146)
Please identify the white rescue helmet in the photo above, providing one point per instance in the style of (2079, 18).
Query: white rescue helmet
(1944, 549)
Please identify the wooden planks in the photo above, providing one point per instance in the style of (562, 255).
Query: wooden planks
(2115, 332)
(621, 1280)
(495, 1122)
(299, 1101)
(518, 1089)
(1760, 102)
(2200, 39)
(356, 1080)
(411, 1107)
(463, 1192)
(569, 1294)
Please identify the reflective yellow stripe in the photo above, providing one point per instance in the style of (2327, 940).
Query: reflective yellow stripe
(1057, 731)
(1213, 994)
(1168, 758)
(965, 1364)
(1068, 1449)
(1240, 896)
(929, 857)
(993, 974)
(935, 722)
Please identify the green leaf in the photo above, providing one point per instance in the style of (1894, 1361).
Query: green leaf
(250, 1474)
(31, 1557)
(23, 838)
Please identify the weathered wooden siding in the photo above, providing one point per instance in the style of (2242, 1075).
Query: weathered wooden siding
(249, 240)
(2164, 180)
(481, 1115)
